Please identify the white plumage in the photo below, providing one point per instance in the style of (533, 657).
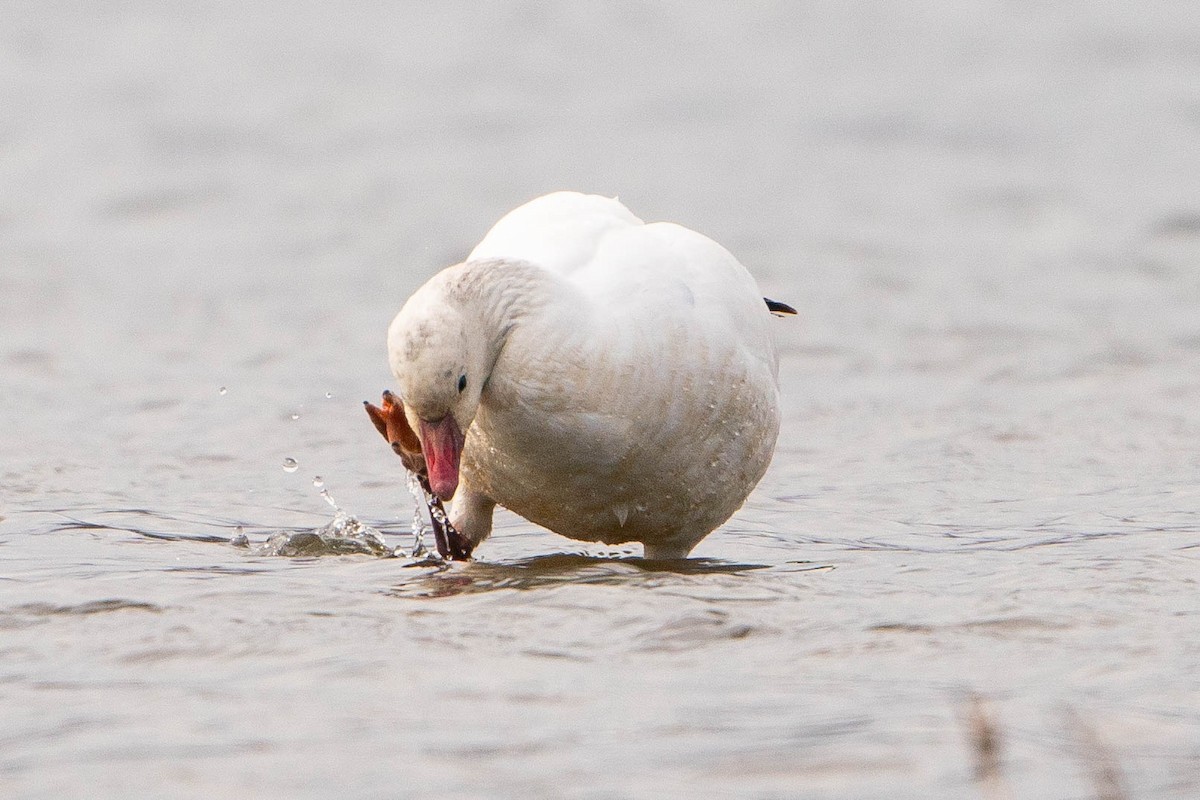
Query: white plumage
(616, 381)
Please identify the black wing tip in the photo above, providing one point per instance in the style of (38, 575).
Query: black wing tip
(779, 309)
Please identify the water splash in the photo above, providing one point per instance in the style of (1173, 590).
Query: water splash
(450, 543)
(239, 538)
(419, 549)
(345, 534)
(329, 499)
(438, 514)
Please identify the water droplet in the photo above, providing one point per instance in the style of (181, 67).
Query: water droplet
(240, 539)
(329, 395)
(295, 416)
(418, 522)
(318, 482)
(290, 464)
(329, 499)
(222, 391)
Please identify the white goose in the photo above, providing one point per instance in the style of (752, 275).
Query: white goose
(610, 380)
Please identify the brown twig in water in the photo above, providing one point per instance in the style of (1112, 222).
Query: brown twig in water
(450, 543)
(987, 747)
(1097, 758)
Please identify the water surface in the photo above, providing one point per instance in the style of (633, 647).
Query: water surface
(987, 483)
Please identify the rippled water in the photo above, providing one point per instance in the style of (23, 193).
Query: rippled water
(985, 499)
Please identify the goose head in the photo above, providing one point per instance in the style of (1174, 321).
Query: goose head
(438, 356)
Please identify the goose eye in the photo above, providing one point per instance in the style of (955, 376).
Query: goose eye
(462, 383)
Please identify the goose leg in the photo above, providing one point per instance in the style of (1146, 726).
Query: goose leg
(472, 513)
(667, 550)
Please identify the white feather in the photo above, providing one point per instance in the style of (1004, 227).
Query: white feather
(632, 393)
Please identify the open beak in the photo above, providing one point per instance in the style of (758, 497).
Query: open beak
(442, 443)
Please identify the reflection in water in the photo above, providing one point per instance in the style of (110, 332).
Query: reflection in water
(141, 522)
(539, 572)
(83, 609)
